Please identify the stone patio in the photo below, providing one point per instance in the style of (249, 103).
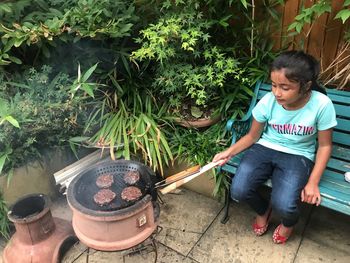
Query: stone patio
(192, 232)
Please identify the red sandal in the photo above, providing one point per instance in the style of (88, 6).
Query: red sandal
(260, 230)
(277, 238)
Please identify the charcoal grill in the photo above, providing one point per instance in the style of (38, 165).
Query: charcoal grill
(119, 224)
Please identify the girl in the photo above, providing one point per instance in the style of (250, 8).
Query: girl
(289, 119)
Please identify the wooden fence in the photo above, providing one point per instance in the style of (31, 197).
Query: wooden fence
(324, 38)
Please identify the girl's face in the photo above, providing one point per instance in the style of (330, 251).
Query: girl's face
(286, 92)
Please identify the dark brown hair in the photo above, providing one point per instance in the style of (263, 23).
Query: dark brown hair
(299, 67)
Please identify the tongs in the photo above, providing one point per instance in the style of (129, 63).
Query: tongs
(176, 180)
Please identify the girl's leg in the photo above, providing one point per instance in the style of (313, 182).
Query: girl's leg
(254, 169)
(290, 175)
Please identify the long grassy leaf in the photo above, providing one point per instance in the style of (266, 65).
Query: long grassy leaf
(126, 142)
(145, 136)
(3, 157)
(91, 119)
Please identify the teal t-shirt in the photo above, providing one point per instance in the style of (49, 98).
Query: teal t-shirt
(294, 131)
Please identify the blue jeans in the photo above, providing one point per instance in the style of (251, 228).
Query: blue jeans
(289, 174)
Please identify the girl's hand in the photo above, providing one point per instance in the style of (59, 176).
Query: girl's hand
(222, 157)
(311, 194)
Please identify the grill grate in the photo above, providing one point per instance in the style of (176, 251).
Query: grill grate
(84, 185)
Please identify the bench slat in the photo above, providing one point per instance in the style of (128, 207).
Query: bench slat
(335, 178)
(330, 190)
(342, 110)
(339, 99)
(338, 92)
(342, 138)
(332, 203)
(338, 165)
(343, 125)
(340, 152)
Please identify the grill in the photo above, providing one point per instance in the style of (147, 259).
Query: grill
(85, 187)
(119, 224)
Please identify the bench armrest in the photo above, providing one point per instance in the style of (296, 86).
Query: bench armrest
(238, 128)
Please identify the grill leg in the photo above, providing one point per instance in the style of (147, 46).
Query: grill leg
(225, 218)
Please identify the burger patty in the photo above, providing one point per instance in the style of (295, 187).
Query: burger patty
(131, 177)
(104, 181)
(131, 193)
(104, 197)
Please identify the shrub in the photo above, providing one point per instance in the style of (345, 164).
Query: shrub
(43, 113)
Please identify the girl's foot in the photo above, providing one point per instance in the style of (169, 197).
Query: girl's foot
(261, 223)
(281, 234)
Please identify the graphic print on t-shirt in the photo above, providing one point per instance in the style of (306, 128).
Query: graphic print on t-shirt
(294, 129)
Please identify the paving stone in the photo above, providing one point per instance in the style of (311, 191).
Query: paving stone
(77, 254)
(235, 241)
(184, 218)
(326, 239)
(165, 255)
(104, 257)
(314, 252)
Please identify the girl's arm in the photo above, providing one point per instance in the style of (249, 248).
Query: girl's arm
(246, 141)
(311, 193)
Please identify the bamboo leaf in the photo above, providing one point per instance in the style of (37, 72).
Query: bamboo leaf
(9, 177)
(88, 73)
(88, 89)
(3, 157)
(244, 3)
(126, 142)
(73, 148)
(78, 139)
(15, 60)
(12, 120)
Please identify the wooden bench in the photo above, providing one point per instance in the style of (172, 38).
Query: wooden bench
(335, 191)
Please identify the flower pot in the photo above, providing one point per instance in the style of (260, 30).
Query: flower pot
(198, 123)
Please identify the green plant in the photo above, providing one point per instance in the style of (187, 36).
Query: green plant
(45, 112)
(4, 222)
(187, 65)
(199, 147)
(45, 23)
(128, 122)
(308, 15)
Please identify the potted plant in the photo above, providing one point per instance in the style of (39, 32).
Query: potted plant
(190, 73)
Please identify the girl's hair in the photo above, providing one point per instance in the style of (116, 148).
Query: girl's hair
(299, 67)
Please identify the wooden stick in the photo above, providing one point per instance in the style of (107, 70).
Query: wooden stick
(180, 175)
(180, 182)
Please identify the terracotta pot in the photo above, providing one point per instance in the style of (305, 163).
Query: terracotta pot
(199, 123)
(39, 238)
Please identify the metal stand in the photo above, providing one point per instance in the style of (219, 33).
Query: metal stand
(146, 247)
(225, 218)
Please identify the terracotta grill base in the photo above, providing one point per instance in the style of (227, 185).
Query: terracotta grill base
(39, 237)
(118, 231)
